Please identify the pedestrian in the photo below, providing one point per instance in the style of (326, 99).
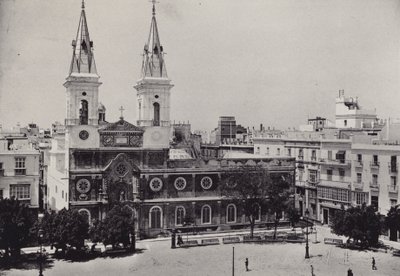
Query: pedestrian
(246, 263)
(373, 264)
(312, 270)
(180, 241)
(349, 272)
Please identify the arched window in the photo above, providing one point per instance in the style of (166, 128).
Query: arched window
(156, 120)
(84, 113)
(179, 215)
(85, 213)
(231, 213)
(155, 217)
(206, 214)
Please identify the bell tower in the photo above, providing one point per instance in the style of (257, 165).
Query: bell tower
(153, 92)
(82, 86)
(153, 88)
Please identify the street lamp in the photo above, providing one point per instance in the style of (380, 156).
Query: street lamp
(307, 213)
(40, 240)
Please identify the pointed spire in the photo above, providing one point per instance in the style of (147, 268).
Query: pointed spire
(82, 56)
(153, 55)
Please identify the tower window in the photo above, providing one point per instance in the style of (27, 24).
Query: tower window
(83, 93)
(156, 96)
(83, 113)
(156, 120)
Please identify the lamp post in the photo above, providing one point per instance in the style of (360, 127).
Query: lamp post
(40, 240)
(307, 213)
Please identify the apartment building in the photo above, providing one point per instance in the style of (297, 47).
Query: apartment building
(19, 170)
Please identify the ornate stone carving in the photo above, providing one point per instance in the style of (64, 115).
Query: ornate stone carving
(136, 140)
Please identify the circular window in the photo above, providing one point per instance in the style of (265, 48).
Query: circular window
(83, 186)
(121, 169)
(180, 183)
(156, 96)
(83, 134)
(156, 184)
(206, 183)
(83, 93)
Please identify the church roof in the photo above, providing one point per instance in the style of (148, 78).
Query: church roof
(82, 56)
(153, 55)
(121, 126)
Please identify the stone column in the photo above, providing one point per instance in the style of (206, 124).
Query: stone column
(219, 212)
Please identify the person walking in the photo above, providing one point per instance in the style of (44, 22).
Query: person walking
(373, 264)
(312, 270)
(349, 272)
(246, 263)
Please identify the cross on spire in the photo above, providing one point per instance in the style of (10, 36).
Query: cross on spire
(154, 6)
(122, 112)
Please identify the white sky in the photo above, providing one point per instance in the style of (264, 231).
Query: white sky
(263, 61)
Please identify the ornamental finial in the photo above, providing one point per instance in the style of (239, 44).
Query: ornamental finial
(83, 4)
(154, 6)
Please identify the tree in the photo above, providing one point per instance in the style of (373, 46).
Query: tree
(293, 215)
(65, 228)
(360, 224)
(392, 222)
(279, 199)
(15, 223)
(116, 228)
(252, 188)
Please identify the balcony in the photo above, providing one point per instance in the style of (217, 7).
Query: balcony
(20, 171)
(312, 182)
(374, 186)
(393, 188)
(374, 165)
(358, 186)
(335, 162)
(358, 164)
(335, 184)
(393, 167)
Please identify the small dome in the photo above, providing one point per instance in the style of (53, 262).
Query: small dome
(101, 108)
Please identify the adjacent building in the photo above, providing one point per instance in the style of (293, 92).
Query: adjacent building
(19, 170)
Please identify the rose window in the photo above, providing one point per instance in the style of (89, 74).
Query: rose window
(121, 169)
(156, 184)
(83, 186)
(180, 183)
(206, 183)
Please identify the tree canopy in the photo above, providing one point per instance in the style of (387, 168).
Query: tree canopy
(65, 228)
(15, 223)
(253, 187)
(116, 228)
(392, 222)
(361, 224)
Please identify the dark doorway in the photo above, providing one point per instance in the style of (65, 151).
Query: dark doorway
(326, 216)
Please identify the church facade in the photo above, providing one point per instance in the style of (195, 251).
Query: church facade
(154, 168)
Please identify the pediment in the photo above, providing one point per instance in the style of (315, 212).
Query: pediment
(120, 126)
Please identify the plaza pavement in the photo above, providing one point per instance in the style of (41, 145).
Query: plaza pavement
(157, 258)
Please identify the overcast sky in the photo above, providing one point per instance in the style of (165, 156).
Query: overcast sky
(263, 61)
